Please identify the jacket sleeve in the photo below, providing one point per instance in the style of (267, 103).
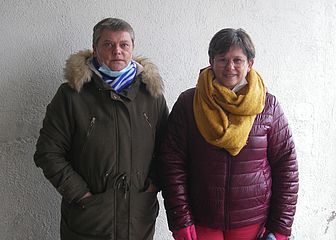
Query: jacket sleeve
(284, 167)
(159, 133)
(53, 145)
(174, 169)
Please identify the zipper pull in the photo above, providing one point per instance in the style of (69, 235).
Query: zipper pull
(147, 120)
(125, 186)
(93, 120)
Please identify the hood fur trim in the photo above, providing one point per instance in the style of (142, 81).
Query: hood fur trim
(77, 72)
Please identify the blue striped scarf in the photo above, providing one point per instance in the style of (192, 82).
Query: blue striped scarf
(122, 81)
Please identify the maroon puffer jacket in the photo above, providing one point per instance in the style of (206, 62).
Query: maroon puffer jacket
(203, 184)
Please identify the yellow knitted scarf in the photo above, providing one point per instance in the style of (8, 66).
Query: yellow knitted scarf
(225, 118)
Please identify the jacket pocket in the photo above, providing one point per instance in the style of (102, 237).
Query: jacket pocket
(94, 216)
(144, 210)
(88, 134)
(266, 185)
(149, 125)
(145, 206)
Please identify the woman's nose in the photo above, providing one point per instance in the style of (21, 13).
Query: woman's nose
(116, 50)
(230, 65)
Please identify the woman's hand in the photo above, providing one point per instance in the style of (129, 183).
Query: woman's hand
(152, 188)
(88, 194)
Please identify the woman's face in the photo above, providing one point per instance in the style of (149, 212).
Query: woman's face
(114, 49)
(230, 68)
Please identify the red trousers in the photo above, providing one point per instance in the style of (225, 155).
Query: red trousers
(244, 233)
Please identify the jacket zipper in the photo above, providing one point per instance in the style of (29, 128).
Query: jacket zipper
(123, 183)
(226, 207)
(117, 156)
(130, 179)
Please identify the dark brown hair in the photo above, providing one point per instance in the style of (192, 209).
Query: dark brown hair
(226, 38)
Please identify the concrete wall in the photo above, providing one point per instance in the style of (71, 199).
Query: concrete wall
(295, 42)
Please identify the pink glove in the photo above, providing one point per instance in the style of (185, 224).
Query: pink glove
(279, 236)
(187, 233)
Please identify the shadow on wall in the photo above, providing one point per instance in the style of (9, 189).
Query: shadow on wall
(30, 205)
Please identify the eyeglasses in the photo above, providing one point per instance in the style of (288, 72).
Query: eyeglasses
(237, 62)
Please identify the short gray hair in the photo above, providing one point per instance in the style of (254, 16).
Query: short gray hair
(113, 24)
(223, 40)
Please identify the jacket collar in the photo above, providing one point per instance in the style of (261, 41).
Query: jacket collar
(78, 71)
(129, 93)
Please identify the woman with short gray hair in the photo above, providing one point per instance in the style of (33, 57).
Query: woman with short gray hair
(100, 139)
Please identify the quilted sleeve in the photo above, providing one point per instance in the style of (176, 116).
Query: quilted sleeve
(285, 179)
(174, 169)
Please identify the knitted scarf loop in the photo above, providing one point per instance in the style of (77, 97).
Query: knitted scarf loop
(225, 118)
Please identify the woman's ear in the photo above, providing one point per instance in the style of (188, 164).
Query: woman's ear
(211, 60)
(250, 64)
(94, 50)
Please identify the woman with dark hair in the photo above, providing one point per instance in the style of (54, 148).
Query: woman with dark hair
(229, 168)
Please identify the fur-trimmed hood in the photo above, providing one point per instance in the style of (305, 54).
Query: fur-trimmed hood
(77, 72)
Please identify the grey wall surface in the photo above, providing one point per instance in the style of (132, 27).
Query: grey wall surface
(295, 43)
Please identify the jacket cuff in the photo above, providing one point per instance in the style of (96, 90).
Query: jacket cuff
(73, 188)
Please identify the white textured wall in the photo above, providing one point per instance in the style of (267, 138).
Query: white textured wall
(295, 42)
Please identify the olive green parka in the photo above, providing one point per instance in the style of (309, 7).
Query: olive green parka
(94, 139)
